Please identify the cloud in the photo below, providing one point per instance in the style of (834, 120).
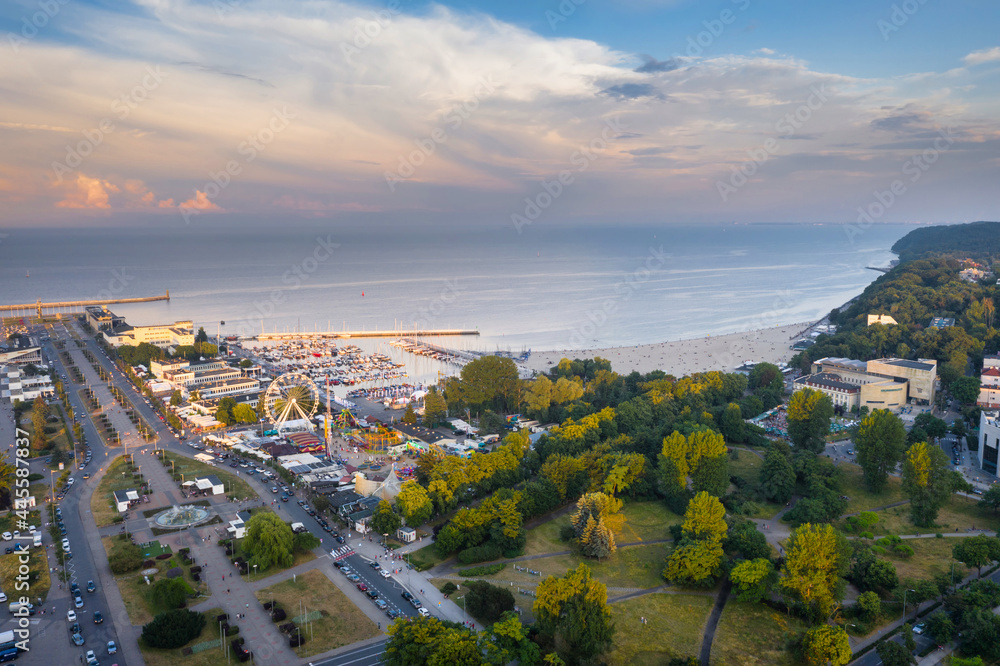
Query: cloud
(653, 65)
(166, 203)
(633, 91)
(982, 56)
(88, 193)
(200, 201)
(765, 51)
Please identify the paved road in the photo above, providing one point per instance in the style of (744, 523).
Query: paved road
(367, 655)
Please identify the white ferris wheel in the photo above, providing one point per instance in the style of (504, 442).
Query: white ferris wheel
(291, 396)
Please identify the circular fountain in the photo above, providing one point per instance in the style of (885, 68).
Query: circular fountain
(179, 517)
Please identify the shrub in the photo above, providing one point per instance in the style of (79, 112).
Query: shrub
(222, 618)
(163, 556)
(173, 629)
(232, 630)
(278, 614)
(196, 569)
(269, 604)
(170, 592)
(126, 558)
(485, 570)
(488, 602)
(448, 588)
(148, 564)
(482, 553)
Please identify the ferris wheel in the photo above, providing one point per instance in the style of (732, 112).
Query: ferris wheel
(291, 396)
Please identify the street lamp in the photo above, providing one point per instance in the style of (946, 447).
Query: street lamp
(255, 571)
(904, 602)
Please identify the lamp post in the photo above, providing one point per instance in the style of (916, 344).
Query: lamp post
(255, 572)
(904, 602)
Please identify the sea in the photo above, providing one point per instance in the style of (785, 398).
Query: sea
(548, 288)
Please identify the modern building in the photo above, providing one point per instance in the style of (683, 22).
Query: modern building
(24, 356)
(210, 485)
(195, 374)
(881, 384)
(920, 374)
(989, 383)
(237, 528)
(406, 534)
(942, 322)
(227, 387)
(15, 385)
(161, 369)
(885, 320)
(100, 318)
(989, 441)
(178, 334)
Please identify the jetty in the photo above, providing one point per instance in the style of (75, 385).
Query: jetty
(65, 306)
(300, 335)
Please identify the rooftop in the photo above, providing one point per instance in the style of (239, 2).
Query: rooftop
(829, 380)
(903, 363)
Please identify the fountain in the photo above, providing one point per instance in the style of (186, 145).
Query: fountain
(181, 516)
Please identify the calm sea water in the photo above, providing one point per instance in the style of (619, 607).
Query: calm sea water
(547, 289)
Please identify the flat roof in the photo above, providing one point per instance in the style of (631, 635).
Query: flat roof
(829, 380)
(903, 363)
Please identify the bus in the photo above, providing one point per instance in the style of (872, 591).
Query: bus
(8, 646)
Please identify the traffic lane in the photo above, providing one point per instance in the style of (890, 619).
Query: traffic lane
(363, 656)
(389, 589)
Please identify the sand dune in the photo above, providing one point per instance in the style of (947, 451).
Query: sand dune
(683, 357)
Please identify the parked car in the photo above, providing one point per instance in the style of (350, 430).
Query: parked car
(98, 618)
(424, 612)
(71, 616)
(77, 639)
(362, 587)
(112, 648)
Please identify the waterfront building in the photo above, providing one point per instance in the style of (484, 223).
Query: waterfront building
(886, 383)
(228, 387)
(167, 336)
(100, 318)
(24, 356)
(17, 386)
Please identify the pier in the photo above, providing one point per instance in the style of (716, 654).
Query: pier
(300, 335)
(40, 307)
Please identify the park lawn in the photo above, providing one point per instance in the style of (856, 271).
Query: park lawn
(674, 626)
(208, 657)
(136, 594)
(41, 492)
(957, 515)
(102, 504)
(8, 523)
(931, 556)
(544, 538)
(634, 567)
(753, 635)
(426, 557)
(341, 623)
(191, 469)
(646, 521)
(38, 574)
(862, 499)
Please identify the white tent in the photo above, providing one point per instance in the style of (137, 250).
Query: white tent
(418, 395)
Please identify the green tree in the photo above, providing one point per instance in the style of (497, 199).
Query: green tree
(224, 411)
(269, 540)
(991, 498)
(384, 520)
(409, 416)
(489, 382)
(711, 475)
(201, 335)
(753, 579)
(173, 629)
(696, 558)
(733, 427)
(893, 654)
(927, 481)
(538, 397)
(170, 592)
(246, 363)
(175, 398)
(934, 427)
(826, 645)
(880, 441)
(870, 605)
(573, 615)
(125, 558)
(815, 558)
(435, 408)
(965, 390)
(977, 551)
(244, 413)
(777, 476)
(809, 414)
(303, 542)
(487, 603)
(941, 628)
(414, 504)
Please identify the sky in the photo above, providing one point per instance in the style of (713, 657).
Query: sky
(181, 112)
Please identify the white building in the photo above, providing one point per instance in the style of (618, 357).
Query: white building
(125, 498)
(210, 485)
(989, 441)
(15, 385)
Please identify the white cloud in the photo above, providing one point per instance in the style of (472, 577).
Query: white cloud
(982, 56)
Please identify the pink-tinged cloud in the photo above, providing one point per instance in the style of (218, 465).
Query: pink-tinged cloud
(166, 203)
(88, 193)
(200, 201)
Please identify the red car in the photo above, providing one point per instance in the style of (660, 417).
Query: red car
(362, 587)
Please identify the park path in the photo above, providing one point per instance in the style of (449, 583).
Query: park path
(713, 623)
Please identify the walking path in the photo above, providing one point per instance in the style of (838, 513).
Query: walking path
(713, 623)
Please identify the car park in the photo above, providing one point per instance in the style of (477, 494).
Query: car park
(91, 658)
(381, 604)
(353, 577)
(406, 595)
(75, 628)
(919, 628)
(416, 603)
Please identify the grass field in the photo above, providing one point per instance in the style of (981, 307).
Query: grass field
(425, 558)
(210, 657)
(643, 521)
(931, 556)
(38, 574)
(235, 486)
(636, 567)
(342, 621)
(674, 628)
(102, 502)
(861, 498)
(8, 522)
(957, 515)
(747, 467)
(752, 635)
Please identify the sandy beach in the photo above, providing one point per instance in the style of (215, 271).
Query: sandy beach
(684, 357)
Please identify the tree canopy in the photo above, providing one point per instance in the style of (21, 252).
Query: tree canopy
(880, 441)
(573, 616)
(809, 414)
(928, 482)
(269, 541)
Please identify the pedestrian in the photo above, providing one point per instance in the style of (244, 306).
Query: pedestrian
(248, 606)
(227, 590)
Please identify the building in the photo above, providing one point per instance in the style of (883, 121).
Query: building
(942, 322)
(885, 320)
(920, 374)
(406, 534)
(989, 384)
(178, 334)
(16, 386)
(125, 498)
(210, 485)
(100, 318)
(345, 502)
(194, 375)
(989, 441)
(365, 510)
(237, 528)
(23, 356)
(175, 371)
(227, 387)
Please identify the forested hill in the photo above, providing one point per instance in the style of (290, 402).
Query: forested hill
(975, 240)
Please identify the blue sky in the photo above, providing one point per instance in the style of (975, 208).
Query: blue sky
(792, 111)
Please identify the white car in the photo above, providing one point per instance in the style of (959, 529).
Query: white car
(65, 544)
(384, 573)
(3, 597)
(424, 612)
(71, 616)
(17, 534)
(7, 536)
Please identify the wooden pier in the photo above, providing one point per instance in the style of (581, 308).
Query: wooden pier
(40, 307)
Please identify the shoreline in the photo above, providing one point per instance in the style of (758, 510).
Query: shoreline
(723, 353)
